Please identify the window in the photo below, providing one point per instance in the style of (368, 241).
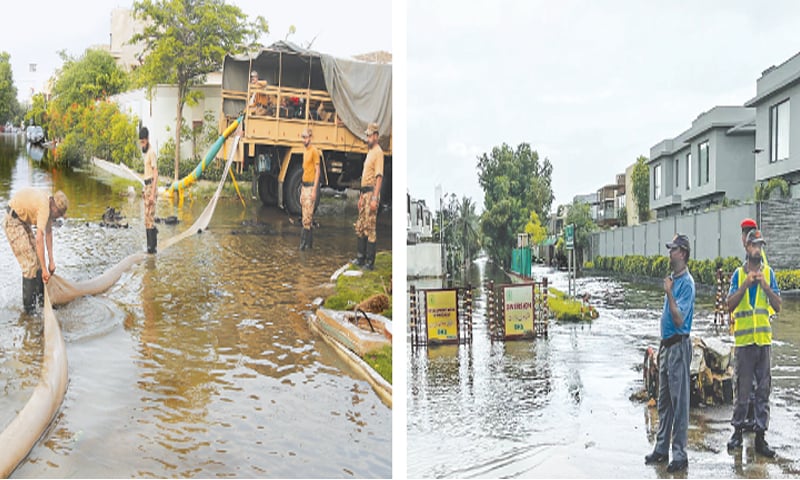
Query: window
(657, 182)
(677, 172)
(779, 131)
(703, 161)
(688, 170)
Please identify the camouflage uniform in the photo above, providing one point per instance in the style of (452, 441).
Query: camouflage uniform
(365, 225)
(150, 191)
(307, 202)
(23, 244)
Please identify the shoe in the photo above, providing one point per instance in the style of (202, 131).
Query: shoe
(736, 439)
(310, 239)
(655, 457)
(30, 294)
(303, 239)
(362, 252)
(762, 447)
(370, 260)
(675, 466)
(152, 240)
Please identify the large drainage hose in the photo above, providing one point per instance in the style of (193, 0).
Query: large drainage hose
(17, 440)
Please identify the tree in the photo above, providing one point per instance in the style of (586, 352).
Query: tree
(85, 80)
(467, 227)
(580, 215)
(184, 40)
(641, 188)
(9, 106)
(514, 183)
(37, 113)
(535, 229)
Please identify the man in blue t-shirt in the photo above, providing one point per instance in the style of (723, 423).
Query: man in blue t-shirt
(674, 358)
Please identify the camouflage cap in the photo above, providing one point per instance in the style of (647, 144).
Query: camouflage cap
(372, 128)
(61, 201)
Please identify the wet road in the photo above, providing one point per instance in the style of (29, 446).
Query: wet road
(560, 407)
(199, 362)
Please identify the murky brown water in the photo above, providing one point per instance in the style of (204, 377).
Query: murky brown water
(560, 407)
(198, 362)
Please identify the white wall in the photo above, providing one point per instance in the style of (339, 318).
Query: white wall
(424, 260)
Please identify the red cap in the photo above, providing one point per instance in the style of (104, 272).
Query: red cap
(749, 223)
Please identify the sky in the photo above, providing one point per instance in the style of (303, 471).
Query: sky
(342, 28)
(590, 85)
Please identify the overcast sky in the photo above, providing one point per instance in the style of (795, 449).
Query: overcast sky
(590, 85)
(33, 32)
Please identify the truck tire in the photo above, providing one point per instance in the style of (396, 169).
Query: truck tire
(268, 189)
(291, 192)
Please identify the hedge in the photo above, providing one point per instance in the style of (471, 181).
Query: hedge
(703, 271)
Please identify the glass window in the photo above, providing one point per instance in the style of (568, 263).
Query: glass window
(657, 182)
(779, 132)
(677, 172)
(704, 168)
(688, 170)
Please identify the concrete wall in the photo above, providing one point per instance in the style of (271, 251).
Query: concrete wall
(424, 260)
(713, 234)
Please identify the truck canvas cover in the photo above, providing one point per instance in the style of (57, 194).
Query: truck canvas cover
(361, 92)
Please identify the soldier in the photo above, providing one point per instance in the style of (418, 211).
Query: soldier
(368, 201)
(27, 207)
(308, 194)
(150, 192)
(753, 291)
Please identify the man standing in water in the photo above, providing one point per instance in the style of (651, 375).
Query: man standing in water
(28, 207)
(371, 180)
(753, 292)
(308, 194)
(674, 358)
(150, 192)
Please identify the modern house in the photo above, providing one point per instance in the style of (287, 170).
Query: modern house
(709, 162)
(420, 221)
(589, 199)
(630, 201)
(610, 202)
(777, 144)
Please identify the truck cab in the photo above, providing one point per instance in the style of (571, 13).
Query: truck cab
(296, 89)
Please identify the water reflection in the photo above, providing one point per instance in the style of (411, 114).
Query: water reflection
(198, 362)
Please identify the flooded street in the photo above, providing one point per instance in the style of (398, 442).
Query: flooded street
(561, 407)
(198, 362)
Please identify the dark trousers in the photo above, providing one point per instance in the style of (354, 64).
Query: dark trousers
(752, 361)
(673, 398)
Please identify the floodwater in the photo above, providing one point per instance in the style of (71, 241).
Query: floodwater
(199, 362)
(561, 407)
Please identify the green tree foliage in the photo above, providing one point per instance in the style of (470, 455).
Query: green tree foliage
(535, 229)
(91, 77)
(515, 183)
(184, 40)
(641, 188)
(457, 225)
(9, 106)
(763, 191)
(37, 113)
(580, 215)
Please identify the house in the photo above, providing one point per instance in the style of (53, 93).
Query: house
(777, 144)
(610, 201)
(420, 221)
(591, 200)
(709, 162)
(631, 209)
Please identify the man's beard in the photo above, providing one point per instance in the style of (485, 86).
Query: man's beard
(755, 257)
(146, 148)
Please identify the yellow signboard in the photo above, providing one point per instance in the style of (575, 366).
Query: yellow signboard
(441, 315)
(518, 310)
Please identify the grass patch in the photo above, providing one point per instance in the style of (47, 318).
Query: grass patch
(568, 309)
(381, 362)
(352, 290)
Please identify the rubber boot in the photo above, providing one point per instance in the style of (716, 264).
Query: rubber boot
(762, 447)
(39, 288)
(370, 260)
(310, 239)
(736, 439)
(29, 293)
(152, 240)
(303, 239)
(362, 252)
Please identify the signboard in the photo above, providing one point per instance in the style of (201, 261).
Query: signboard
(569, 236)
(518, 310)
(441, 315)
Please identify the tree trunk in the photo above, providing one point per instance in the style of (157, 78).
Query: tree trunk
(178, 123)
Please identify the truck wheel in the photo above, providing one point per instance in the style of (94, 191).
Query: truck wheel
(292, 187)
(268, 189)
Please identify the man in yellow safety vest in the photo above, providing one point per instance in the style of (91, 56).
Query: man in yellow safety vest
(753, 292)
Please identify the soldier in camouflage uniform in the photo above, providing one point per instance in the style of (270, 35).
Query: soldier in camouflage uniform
(150, 192)
(308, 194)
(371, 180)
(28, 207)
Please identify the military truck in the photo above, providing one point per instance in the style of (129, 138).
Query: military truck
(299, 88)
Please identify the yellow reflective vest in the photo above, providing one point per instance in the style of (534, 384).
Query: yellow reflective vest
(752, 324)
